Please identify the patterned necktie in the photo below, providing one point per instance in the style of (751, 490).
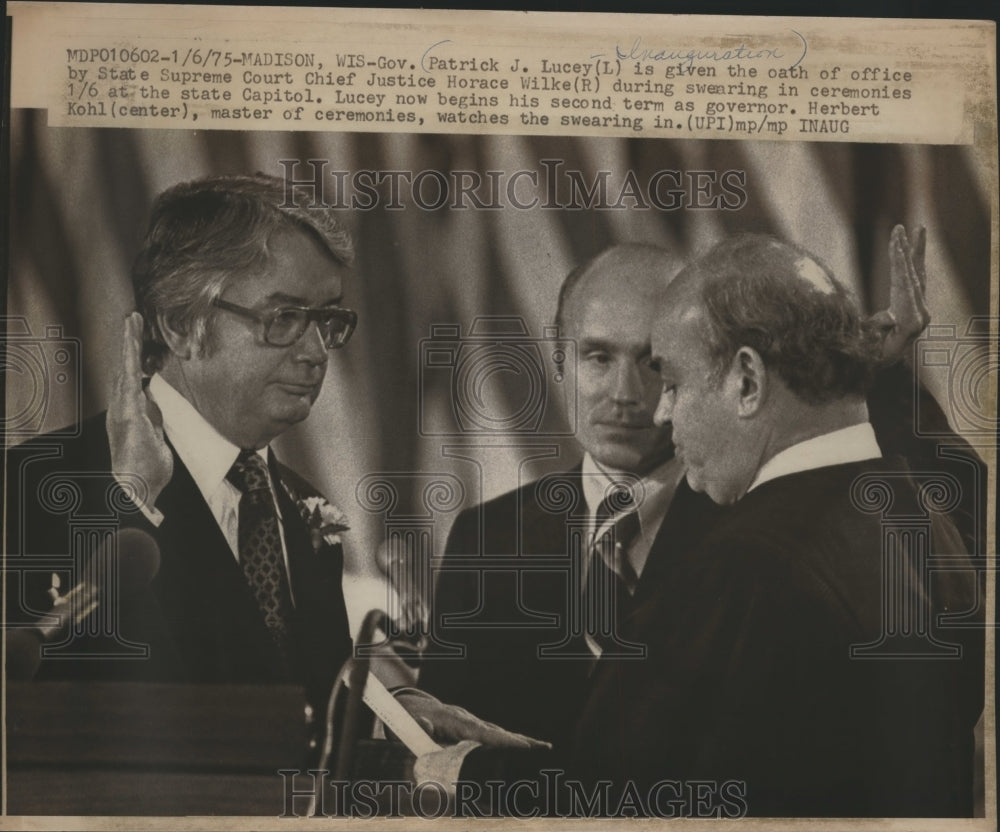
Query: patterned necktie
(611, 578)
(260, 551)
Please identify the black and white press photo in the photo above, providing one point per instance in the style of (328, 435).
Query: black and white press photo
(419, 430)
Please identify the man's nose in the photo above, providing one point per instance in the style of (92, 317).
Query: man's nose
(311, 347)
(627, 385)
(664, 409)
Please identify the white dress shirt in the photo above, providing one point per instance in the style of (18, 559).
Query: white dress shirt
(654, 496)
(854, 444)
(208, 456)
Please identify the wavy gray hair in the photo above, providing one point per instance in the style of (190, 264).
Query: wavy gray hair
(202, 235)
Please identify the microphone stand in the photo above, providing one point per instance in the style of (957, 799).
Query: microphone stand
(353, 674)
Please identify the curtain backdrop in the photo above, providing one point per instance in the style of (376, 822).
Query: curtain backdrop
(80, 200)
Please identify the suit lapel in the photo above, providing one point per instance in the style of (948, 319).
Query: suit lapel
(182, 500)
(689, 517)
(214, 619)
(551, 507)
(548, 509)
(320, 633)
(304, 557)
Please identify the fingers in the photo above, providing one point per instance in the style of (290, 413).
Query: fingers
(494, 735)
(128, 400)
(917, 253)
(906, 260)
(117, 403)
(907, 315)
(466, 726)
(131, 351)
(899, 258)
(916, 286)
(908, 282)
(897, 235)
(900, 266)
(883, 321)
(452, 723)
(153, 412)
(907, 276)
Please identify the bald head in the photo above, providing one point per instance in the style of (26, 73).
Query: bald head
(641, 271)
(606, 306)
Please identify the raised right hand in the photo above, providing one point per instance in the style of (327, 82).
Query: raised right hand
(907, 315)
(135, 425)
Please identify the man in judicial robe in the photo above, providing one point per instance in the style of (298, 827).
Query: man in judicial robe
(773, 679)
(806, 648)
(523, 617)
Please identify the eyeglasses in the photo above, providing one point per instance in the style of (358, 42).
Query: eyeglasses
(286, 324)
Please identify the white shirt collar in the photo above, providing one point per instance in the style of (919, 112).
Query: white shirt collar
(854, 444)
(655, 494)
(206, 454)
(657, 491)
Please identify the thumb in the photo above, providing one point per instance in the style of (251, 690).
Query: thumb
(153, 411)
(881, 320)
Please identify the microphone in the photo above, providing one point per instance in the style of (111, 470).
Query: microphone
(355, 670)
(138, 562)
(342, 724)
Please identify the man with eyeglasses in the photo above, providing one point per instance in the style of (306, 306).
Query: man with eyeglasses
(239, 303)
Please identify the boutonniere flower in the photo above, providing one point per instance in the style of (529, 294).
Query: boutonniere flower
(324, 519)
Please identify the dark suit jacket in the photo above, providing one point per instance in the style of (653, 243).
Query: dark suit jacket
(750, 675)
(512, 607)
(504, 596)
(502, 676)
(749, 687)
(198, 617)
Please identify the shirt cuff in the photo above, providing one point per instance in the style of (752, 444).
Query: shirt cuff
(443, 767)
(152, 514)
(396, 691)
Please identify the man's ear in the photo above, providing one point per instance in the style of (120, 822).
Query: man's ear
(748, 376)
(182, 345)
